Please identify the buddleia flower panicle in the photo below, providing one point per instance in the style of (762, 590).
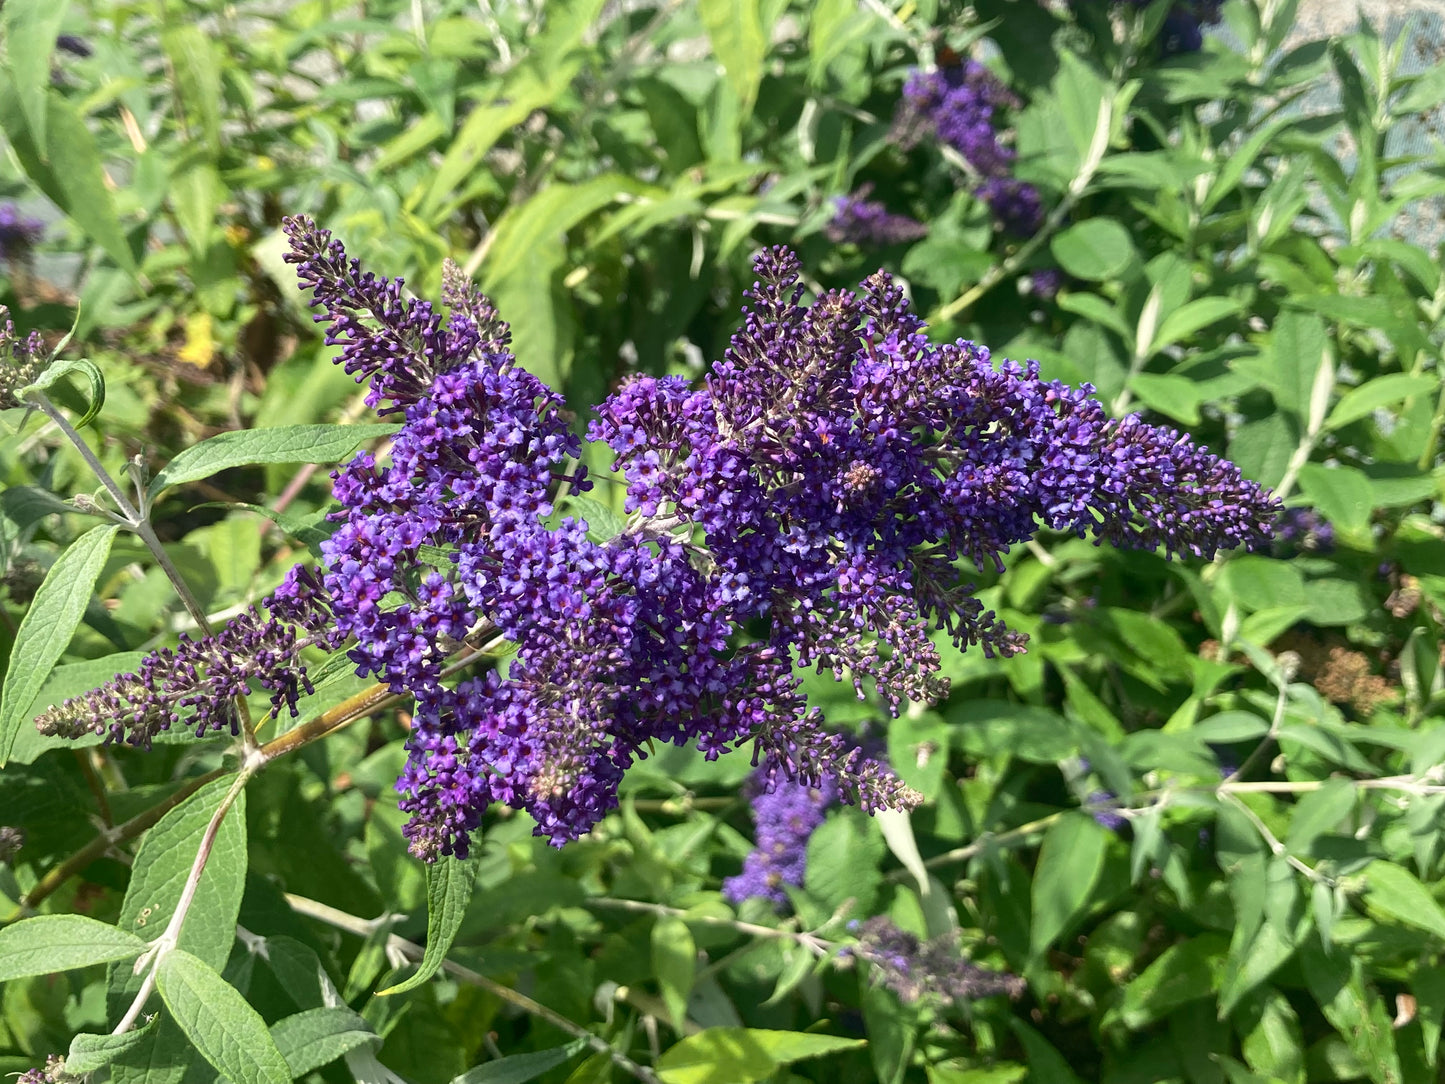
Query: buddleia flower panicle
(806, 506)
(915, 969)
(961, 105)
(22, 361)
(197, 681)
(19, 233)
(862, 221)
(785, 815)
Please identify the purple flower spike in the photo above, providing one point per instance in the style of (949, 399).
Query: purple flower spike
(786, 814)
(862, 221)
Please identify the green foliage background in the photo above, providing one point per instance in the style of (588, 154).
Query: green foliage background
(1271, 727)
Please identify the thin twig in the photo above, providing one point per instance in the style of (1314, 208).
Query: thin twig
(362, 927)
(819, 946)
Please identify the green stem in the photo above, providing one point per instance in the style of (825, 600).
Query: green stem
(1098, 145)
(365, 928)
(139, 522)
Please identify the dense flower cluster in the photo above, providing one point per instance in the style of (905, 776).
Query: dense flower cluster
(912, 968)
(862, 221)
(200, 679)
(1303, 530)
(959, 105)
(1047, 282)
(21, 360)
(785, 818)
(620, 641)
(806, 507)
(18, 233)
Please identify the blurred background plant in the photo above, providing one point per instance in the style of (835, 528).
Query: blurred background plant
(1200, 820)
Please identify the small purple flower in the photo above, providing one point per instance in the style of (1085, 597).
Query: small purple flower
(1015, 205)
(862, 221)
(820, 489)
(18, 233)
(915, 969)
(1046, 282)
(1303, 530)
(957, 104)
(1103, 805)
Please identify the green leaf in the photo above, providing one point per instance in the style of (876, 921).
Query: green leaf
(674, 964)
(1270, 1036)
(1396, 893)
(316, 1037)
(1344, 494)
(1262, 448)
(551, 62)
(1230, 726)
(448, 891)
(162, 864)
(1298, 344)
(1198, 314)
(1337, 983)
(1237, 161)
(67, 168)
(988, 728)
(197, 66)
(602, 522)
(546, 216)
(1071, 858)
(1046, 1065)
(1380, 392)
(279, 444)
(520, 1068)
(742, 1055)
(1262, 583)
(31, 27)
(1185, 972)
(47, 627)
(1428, 986)
(1096, 309)
(50, 943)
(217, 1020)
(843, 859)
(740, 43)
(65, 368)
(91, 1052)
(1095, 249)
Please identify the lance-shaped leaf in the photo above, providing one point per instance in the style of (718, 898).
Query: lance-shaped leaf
(47, 627)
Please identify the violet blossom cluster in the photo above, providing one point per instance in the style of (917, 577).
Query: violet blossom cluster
(198, 681)
(785, 815)
(19, 233)
(863, 221)
(807, 506)
(959, 104)
(22, 361)
(1303, 530)
(913, 968)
